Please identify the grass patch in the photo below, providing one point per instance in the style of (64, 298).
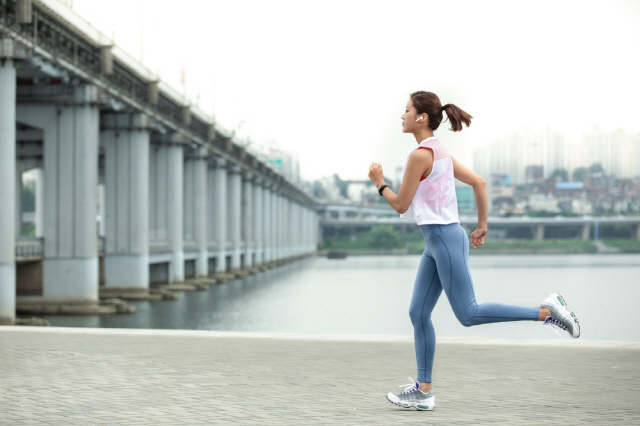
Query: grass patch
(625, 246)
(535, 246)
(362, 242)
(414, 243)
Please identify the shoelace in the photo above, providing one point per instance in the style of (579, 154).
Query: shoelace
(411, 386)
(555, 325)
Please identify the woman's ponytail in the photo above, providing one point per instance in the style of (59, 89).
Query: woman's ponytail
(429, 103)
(456, 117)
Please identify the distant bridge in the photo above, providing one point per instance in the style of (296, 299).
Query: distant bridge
(351, 218)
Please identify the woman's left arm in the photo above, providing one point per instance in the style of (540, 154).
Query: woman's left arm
(419, 162)
(469, 177)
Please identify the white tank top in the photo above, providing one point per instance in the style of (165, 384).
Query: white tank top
(435, 199)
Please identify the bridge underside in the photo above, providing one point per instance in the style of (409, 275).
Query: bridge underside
(125, 195)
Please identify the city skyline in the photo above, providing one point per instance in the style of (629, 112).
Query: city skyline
(617, 152)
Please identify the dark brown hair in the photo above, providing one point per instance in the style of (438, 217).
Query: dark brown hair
(429, 103)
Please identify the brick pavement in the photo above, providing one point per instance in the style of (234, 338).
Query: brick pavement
(56, 376)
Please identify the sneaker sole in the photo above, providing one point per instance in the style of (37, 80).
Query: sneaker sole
(419, 407)
(560, 305)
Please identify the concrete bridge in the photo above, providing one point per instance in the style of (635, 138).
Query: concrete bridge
(181, 195)
(351, 219)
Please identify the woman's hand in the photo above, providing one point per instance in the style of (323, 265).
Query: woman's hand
(375, 174)
(477, 237)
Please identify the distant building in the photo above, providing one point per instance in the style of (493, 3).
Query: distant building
(534, 174)
(466, 199)
(581, 206)
(634, 158)
(331, 190)
(568, 189)
(617, 152)
(355, 191)
(512, 153)
(500, 192)
(398, 175)
(540, 202)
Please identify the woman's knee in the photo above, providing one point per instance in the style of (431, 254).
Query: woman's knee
(467, 314)
(467, 322)
(416, 314)
(467, 317)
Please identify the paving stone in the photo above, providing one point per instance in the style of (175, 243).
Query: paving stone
(60, 376)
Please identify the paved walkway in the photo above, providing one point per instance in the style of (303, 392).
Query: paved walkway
(57, 376)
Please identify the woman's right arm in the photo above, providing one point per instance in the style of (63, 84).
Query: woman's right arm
(467, 176)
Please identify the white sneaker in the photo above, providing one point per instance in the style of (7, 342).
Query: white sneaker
(561, 317)
(412, 396)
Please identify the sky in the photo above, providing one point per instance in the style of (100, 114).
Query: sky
(328, 81)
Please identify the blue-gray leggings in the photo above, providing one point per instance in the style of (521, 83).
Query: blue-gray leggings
(444, 265)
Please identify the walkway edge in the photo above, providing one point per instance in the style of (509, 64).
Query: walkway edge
(318, 337)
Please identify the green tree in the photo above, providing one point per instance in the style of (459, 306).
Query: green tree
(596, 168)
(28, 196)
(560, 174)
(343, 185)
(580, 173)
(383, 237)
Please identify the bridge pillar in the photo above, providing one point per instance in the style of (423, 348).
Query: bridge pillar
(275, 222)
(316, 237)
(310, 230)
(195, 207)
(275, 235)
(71, 129)
(299, 228)
(538, 232)
(125, 138)
(39, 202)
(258, 239)
(7, 189)
(234, 212)
(166, 176)
(279, 229)
(317, 234)
(285, 225)
(18, 202)
(280, 225)
(302, 229)
(248, 211)
(218, 209)
(305, 230)
(267, 227)
(175, 218)
(291, 228)
(586, 232)
(295, 229)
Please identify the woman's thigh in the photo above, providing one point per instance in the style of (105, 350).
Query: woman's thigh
(450, 251)
(426, 288)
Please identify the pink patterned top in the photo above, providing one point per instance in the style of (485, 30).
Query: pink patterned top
(435, 199)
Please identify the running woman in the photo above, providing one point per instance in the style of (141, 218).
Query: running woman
(427, 195)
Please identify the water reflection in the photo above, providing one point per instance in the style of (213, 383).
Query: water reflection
(370, 295)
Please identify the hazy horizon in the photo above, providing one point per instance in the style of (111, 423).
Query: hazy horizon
(329, 81)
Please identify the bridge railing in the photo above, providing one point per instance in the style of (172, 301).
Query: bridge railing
(29, 247)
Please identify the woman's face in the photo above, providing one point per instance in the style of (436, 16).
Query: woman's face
(409, 123)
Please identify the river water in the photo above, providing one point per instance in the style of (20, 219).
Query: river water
(371, 294)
